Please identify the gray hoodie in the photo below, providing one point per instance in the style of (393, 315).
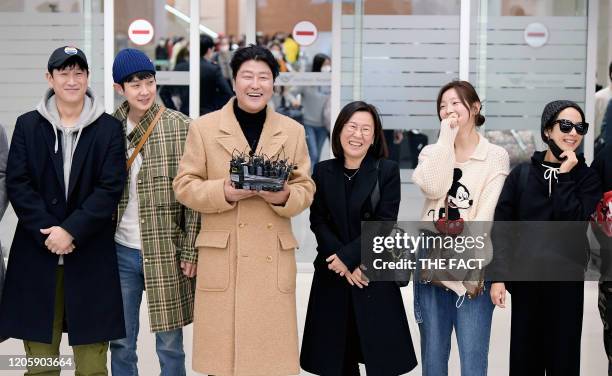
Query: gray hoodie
(92, 109)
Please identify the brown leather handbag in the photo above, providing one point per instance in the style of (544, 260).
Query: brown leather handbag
(474, 284)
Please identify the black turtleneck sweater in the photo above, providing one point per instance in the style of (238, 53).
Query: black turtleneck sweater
(251, 124)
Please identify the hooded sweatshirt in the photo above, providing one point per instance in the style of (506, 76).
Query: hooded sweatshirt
(92, 110)
(550, 195)
(547, 195)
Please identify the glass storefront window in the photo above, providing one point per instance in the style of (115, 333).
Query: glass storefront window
(302, 90)
(523, 55)
(396, 55)
(29, 32)
(168, 49)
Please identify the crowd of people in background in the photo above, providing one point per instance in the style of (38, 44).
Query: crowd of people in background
(309, 105)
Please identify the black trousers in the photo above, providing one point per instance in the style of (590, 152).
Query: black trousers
(605, 310)
(546, 328)
(605, 293)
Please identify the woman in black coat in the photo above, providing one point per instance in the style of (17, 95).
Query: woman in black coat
(544, 266)
(350, 321)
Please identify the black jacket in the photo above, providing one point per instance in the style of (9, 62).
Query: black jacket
(527, 244)
(573, 197)
(35, 185)
(379, 313)
(214, 89)
(603, 166)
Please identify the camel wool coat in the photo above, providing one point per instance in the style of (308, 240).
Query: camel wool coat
(245, 314)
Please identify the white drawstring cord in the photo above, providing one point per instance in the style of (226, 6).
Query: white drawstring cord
(549, 174)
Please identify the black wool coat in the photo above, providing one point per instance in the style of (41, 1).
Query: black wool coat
(384, 335)
(35, 185)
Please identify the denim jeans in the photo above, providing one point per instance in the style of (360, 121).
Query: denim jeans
(315, 138)
(168, 345)
(438, 312)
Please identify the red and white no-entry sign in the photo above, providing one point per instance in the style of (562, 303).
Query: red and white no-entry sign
(305, 33)
(536, 34)
(140, 32)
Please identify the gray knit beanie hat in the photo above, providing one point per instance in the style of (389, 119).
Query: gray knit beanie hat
(552, 110)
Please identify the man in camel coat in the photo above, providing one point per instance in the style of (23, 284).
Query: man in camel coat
(245, 314)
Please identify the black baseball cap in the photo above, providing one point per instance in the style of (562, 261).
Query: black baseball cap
(60, 55)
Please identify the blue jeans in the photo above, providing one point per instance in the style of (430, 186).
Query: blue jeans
(315, 138)
(437, 314)
(169, 345)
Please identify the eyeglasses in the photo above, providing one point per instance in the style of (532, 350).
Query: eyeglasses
(366, 130)
(566, 126)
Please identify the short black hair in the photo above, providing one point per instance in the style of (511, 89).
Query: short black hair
(610, 71)
(142, 75)
(71, 62)
(379, 149)
(206, 43)
(253, 52)
(318, 60)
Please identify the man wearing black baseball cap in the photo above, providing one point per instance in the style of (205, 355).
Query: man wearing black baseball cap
(65, 175)
(62, 54)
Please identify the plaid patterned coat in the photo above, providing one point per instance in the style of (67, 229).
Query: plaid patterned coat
(167, 229)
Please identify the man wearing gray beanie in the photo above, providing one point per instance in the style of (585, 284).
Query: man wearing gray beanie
(155, 234)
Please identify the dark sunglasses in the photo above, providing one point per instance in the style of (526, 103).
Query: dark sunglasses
(566, 126)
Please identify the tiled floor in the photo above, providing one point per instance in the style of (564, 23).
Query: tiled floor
(593, 356)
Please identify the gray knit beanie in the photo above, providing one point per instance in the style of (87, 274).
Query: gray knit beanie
(552, 110)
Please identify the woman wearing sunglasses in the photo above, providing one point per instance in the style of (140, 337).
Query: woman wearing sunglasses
(556, 186)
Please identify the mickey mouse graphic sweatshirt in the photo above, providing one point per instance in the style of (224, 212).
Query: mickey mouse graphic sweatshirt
(481, 178)
(472, 187)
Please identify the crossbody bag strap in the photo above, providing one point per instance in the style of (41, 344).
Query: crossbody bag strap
(375, 197)
(145, 137)
(523, 182)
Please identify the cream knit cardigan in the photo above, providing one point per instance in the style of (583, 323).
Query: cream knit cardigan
(484, 174)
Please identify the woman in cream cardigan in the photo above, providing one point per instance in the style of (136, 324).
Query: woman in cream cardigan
(461, 177)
